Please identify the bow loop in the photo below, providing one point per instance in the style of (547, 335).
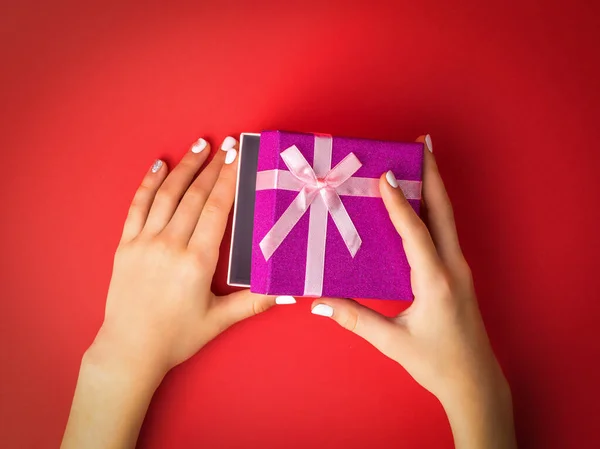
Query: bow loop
(343, 171)
(298, 166)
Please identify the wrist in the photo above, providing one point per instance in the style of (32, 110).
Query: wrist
(475, 372)
(473, 394)
(112, 396)
(109, 357)
(480, 412)
(486, 383)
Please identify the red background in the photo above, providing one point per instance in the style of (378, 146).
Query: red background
(90, 95)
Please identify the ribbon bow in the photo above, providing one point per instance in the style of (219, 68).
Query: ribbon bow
(314, 187)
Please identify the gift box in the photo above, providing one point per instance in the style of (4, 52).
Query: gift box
(319, 226)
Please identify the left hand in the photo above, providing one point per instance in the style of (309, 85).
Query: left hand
(160, 310)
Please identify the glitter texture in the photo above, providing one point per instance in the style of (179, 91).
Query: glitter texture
(157, 165)
(379, 269)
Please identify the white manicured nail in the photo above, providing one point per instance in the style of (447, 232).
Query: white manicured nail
(156, 166)
(428, 143)
(230, 156)
(391, 179)
(228, 143)
(322, 310)
(199, 145)
(285, 300)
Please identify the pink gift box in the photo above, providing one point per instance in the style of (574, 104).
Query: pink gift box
(378, 268)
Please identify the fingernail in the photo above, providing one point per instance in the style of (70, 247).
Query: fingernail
(157, 165)
(428, 143)
(199, 145)
(230, 156)
(228, 143)
(322, 310)
(285, 300)
(391, 179)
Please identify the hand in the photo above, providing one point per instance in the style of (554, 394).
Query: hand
(440, 339)
(160, 305)
(160, 310)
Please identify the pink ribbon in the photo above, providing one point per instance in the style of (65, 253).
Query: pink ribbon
(319, 190)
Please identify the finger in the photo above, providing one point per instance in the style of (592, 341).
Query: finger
(142, 200)
(210, 228)
(188, 212)
(418, 246)
(168, 196)
(440, 216)
(240, 305)
(377, 329)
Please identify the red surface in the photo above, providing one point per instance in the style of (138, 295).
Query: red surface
(91, 95)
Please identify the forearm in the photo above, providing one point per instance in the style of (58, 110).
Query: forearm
(111, 400)
(481, 416)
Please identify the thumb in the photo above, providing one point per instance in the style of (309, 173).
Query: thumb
(245, 304)
(382, 332)
(416, 240)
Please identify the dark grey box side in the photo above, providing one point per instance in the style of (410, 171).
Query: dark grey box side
(240, 260)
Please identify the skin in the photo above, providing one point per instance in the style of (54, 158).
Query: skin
(441, 338)
(160, 310)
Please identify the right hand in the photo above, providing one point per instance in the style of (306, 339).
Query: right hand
(440, 339)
